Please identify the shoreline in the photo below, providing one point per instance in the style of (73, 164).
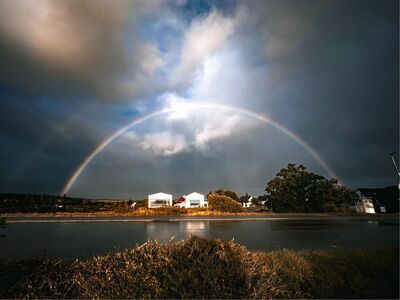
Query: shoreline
(387, 219)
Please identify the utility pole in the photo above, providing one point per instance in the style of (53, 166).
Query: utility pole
(395, 165)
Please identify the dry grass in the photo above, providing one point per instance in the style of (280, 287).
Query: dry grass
(203, 268)
(361, 273)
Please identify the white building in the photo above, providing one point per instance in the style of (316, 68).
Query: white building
(364, 204)
(248, 203)
(193, 200)
(159, 200)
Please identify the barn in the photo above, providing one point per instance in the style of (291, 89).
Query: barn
(194, 200)
(159, 200)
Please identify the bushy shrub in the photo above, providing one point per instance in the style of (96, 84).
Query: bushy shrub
(228, 193)
(223, 203)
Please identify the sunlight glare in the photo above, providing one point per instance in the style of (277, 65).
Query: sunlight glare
(179, 107)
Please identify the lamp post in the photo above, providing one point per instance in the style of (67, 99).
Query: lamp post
(395, 165)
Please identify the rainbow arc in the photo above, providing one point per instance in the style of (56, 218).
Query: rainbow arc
(266, 120)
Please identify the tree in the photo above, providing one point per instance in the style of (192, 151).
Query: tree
(338, 197)
(294, 189)
(261, 200)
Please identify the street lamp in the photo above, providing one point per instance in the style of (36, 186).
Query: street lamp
(395, 165)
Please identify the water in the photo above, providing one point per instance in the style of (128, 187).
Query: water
(96, 238)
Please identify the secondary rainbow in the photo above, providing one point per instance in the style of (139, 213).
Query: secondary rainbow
(202, 105)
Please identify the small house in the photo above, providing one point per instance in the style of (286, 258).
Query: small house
(192, 200)
(385, 200)
(159, 200)
(248, 202)
(365, 205)
(180, 202)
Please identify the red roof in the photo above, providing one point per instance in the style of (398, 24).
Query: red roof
(181, 199)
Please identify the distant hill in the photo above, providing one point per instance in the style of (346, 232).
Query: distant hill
(43, 203)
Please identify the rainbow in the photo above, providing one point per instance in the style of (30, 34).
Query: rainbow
(202, 105)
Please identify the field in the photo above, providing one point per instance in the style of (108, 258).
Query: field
(204, 268)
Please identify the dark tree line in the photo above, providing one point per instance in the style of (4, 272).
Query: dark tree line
(294, 189)
(33, 203)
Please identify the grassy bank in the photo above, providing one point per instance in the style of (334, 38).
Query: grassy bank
(202, 268)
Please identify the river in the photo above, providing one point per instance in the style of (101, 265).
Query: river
(84, 237)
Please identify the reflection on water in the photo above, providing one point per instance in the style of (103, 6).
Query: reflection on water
(305, 225)
(86, 239)
(164, 231)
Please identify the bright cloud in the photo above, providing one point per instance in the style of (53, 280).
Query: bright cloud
(215, 128)
(161, 143)
(191, 126)
(179, 106)
(204, 37)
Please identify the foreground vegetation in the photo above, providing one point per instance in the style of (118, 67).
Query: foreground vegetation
(203, 268)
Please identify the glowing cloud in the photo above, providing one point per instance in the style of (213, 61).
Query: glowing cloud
(160, 143)
(214, 130)
(204, 37)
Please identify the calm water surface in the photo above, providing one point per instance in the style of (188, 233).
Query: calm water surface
(87, 239)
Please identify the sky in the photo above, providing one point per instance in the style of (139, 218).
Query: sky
(195, 79)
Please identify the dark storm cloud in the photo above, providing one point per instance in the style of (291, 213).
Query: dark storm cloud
(345, 86)
(37, 144)
(75, 49)
(72, 72)
(58, 60)
(68, 47)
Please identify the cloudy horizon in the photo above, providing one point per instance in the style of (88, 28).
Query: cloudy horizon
(76, 72)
